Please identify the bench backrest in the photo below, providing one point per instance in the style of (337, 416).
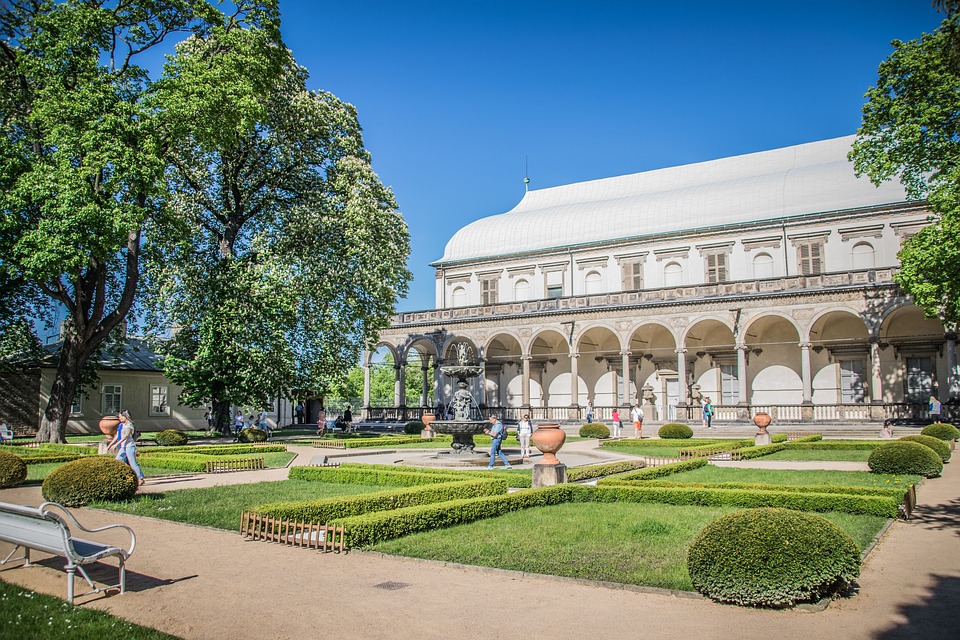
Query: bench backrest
(35, 528)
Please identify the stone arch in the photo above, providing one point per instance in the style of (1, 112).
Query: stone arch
(774, 370)
(503, 359)
(599, 349)
(653, 363)
(840, 360)
(712, 353)
(549, 369)
(911, 355)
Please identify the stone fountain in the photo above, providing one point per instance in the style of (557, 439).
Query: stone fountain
(467, 419)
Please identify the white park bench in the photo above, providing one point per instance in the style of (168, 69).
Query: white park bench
(45, 530)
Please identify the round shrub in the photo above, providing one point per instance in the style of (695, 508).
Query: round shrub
(939, 446)
(88, 480)
(594, 430)
(252, 435)
(772, 558)
(941, 430)
(675, 431)
(414, 427)
(13, 470)
(905, 457)
(171, 438)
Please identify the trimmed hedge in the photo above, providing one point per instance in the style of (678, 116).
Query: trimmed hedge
(941, 430)
(331, 508)
(675, 431)
(196, 463)
(252, 435)
(890, 492)
(710, 449)
(777, 438)
(748, 453)
(90, 479)
(633, 442)
(578, 474)
(814, 437)
(516, 478)
(832, 445)
(939, 446)
(414, 427)
(900, 457)
(653, 473)
(13, 470)
(730, 560)
(51, 457)
(171, 438)
(218, 449)
(340, 475)
(594, 430)
(883, 506)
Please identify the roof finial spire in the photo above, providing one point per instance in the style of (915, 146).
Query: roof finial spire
(526, 174)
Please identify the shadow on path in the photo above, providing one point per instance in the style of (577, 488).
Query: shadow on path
(940, 516)
(933, 617)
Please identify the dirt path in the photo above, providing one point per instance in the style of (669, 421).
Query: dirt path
(206, 584)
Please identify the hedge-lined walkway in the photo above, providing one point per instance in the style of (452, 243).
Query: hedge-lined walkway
(203, 583)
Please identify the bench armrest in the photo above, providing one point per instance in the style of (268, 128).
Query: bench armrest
(72, 518)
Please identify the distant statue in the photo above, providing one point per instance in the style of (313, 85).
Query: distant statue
(462, 403)
(696, 396)
(463, 353)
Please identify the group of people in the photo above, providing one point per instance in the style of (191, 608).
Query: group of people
(253, 421)
(344, 422)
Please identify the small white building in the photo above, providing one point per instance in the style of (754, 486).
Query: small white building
(763, 281)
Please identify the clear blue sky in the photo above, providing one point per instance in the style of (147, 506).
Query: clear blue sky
(452, 96)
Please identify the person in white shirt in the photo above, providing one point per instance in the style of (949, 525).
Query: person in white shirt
(637, 416)
(524, 431)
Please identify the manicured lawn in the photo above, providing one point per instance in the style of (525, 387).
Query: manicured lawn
(814, 454)
(221, 506)
(712, 473)
(641, 544)
(25, 614)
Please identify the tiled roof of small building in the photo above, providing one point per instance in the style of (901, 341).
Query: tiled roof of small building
(134, 355)
(769, 185)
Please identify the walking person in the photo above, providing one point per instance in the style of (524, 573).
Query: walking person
(617, 425)
(347, 420)
(237, 425)
(498, 433)
(707, 413)
(321, 422)
(524, 432)
(636, 414)
(589, 412)
(125, 444)
(299, 411)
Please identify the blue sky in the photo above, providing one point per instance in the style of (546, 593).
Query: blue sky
(453, 96)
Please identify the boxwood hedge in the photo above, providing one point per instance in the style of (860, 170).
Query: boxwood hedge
(730, 560)
(594, 430)
(941, 430)
(350, 475)
(939, 446)
(653, 473)
(218, 449)
(901, 457)
(748, 453)
(675, 431)
(890, 492)
(13, 470)
(90, 479)
(578, 474)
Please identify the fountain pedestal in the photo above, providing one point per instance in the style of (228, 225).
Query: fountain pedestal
(545, 475)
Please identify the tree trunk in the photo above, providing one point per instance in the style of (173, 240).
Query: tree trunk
(221, 416)
(53, 424)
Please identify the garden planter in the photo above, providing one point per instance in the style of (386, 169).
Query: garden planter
(548, 438)
(427, 419)
(108, 425)
(762, 420)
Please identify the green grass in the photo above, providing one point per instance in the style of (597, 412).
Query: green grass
(712, 473)
(639, 544)
(813, 454)
(27, 614)
(221, 507)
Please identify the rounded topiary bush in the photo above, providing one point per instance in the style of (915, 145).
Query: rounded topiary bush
(939, 446)
(675, 431)
(594, 430)
(252, 435)
(941, 430)
(772, 558)
(413, 427)
(88, 480)
(777, 438)
(13, 470)
(171, 438)
(905, 457)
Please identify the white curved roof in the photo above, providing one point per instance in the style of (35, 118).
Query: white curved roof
(781, 183)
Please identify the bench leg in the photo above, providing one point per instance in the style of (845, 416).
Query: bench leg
(123, 576)
(70, 573)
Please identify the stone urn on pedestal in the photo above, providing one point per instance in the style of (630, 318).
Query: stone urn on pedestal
(108, 427)
(762, 420)
(427, 432)
(548, 438)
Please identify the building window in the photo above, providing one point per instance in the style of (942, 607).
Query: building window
(672, 274)
(77, 407)
(593, 283)
(488, 290)
(763, 266)
(863, 256)
(521, 290)
(919, 380)
(716, 267)
(459, 296)
(158, 401)
(631, 275)
(810, 258)
(112, 399)
(851, 381)
(554, 284)
(555, 291)
(729, 385)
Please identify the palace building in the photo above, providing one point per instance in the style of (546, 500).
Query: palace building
(762, 281)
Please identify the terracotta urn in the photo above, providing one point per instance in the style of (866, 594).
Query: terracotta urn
(549, 438)
(108, 425)
(762, 420)
(427, 419)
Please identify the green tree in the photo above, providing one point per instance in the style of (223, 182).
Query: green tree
(911, 131)
(290, 254)
(82, 155)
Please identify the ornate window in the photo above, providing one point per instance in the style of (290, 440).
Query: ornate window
(851, 381)
(158, 401)
(919, 379)
(112, 399)
(729, 385)
(716, 267)
(489, 287)
(810, 257)
(631, 275)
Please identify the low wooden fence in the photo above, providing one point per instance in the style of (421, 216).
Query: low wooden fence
(909, 502)
(225, 466)
(716, 454)
(656, 461)
(328, 444)
(296, 533)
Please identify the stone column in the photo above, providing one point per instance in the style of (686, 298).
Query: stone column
(953, 375)
(366, 385)
(574, 413)
(526, 381)
(743, 413)
(682, 379)
(399, 380)
(425, 389)
(876, 381)
(625, 399)
(806, 408)
(437, 384)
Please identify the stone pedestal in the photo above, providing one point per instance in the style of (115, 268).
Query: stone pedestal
(545, 475)
(428, 434)
(649, 413)
(761, 438)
